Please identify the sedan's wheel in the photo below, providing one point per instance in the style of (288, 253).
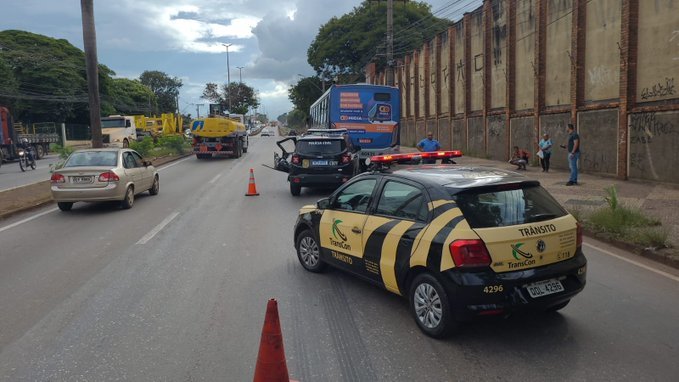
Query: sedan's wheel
(129, 199)
(65, 206)
(309, 252)
(295, 189)
(155, 188)
(430, 306)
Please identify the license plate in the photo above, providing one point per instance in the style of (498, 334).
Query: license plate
(319, 162)
(544, 288)
(82, 179)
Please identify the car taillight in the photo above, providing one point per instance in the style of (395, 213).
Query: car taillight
(578, 235)
(346, 158)
(469, 253)
(295, 159)
(57, 178)
(108, 176)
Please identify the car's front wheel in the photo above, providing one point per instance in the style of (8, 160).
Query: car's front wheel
(65, 206)
(128, 201)
(430, 306)
(309, 252)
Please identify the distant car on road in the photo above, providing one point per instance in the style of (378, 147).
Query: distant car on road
(97, 175)
(266, 133)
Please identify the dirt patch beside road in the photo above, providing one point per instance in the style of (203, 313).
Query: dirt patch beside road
(37, 194)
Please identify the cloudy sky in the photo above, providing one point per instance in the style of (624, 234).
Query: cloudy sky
(184, 38)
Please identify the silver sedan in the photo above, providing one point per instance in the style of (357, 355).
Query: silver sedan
(97, 175)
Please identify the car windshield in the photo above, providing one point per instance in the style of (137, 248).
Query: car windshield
(92, 158)
(112, 122)
(320, 146)
(507, 205)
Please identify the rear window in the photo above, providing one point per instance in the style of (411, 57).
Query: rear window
(320, 146)
(502, 207)
(92, 158)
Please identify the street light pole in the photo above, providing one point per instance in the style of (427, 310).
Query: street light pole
(90, 43)
(228, 76)
(240, 73)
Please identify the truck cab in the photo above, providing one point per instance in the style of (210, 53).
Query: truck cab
(119, 130)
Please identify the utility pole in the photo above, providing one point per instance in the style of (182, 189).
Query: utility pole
(198, 105)
(90, 44)
(390, 42)
(228, 76)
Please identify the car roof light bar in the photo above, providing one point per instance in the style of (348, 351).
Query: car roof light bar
(385, 159)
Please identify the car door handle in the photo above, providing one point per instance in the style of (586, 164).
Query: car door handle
(356, 230)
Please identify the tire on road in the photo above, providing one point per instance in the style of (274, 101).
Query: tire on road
(430, 306)
(309, 252)
(65, 206)
(295, 189)
(39, 151)
(128, 201)
(155, 187)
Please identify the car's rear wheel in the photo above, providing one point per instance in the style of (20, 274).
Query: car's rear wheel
(65, 206)
(128, 202)
(557, 307)
(155, 188)
(430, 306)
(309, 252)
(295, 189)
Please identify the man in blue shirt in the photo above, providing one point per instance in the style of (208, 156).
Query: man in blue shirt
(429, 144)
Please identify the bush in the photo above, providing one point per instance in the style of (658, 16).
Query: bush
(144, 147)
(63, 152)
(655, 237)
(176, 143)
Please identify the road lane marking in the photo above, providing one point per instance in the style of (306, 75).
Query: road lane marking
(215, 178)
(175, 163)
(5, 228)
(638, 264)
(157, 229)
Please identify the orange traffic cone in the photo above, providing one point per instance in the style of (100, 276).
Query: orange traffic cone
(252, 187)
(271, 364)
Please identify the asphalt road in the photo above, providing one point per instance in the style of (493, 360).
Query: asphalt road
(176, 289)
(11, 175)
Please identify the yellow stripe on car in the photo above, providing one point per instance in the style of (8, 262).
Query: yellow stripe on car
(388, 259)
(420, 251)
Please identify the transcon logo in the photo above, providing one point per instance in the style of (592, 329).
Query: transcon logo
(336, 231)
(516, 251)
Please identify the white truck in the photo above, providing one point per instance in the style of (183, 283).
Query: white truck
(119, 130)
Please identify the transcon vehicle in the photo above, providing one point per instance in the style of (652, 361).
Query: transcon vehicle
(458, 242)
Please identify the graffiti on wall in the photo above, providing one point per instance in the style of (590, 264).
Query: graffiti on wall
(647, 131)
(660, 89)
(601, 76)
(675, 36)
(460, 71)
(646, 127)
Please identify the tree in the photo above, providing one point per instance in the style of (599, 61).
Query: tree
(297, 119)
(128, 96)
(305, 93)
(165, 88)
(283, 118)
(345, 45)
(242, 96)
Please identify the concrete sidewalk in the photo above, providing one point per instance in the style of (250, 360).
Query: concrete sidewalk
(655, 200)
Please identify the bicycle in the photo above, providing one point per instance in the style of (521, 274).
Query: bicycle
(24, 161)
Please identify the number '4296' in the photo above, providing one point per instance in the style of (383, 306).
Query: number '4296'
(493, 289)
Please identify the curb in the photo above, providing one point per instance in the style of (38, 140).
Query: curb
(45, 198)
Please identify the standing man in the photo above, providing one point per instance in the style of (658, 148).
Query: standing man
(427, 145)
(546, 148)
(573, 154)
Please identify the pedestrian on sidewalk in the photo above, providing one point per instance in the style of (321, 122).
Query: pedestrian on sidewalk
(519, 158)
(573, 154)
(429, 144)
(546, 150)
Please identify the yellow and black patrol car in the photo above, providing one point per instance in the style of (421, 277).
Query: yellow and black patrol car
(457, 241)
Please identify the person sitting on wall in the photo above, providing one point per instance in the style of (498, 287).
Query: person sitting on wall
(519, 158)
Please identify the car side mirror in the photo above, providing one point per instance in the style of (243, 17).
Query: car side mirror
(323, 204)
(146, 163)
